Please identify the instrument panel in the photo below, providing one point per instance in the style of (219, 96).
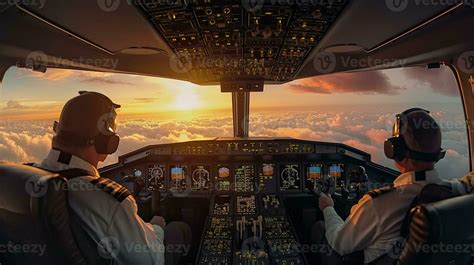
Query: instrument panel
(267, 166)
(236, 178)
(246, 184)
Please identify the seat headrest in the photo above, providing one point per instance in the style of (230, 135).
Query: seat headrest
(21, 185)
(34, 209)
(439, 233)
(451, 220)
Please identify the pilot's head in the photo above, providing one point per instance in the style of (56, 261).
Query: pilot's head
(87, 127)
(416, 141)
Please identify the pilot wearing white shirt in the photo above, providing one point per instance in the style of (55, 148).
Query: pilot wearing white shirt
(375, 222)
(84, 136)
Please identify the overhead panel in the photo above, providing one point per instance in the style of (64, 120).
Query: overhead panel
(227, 40)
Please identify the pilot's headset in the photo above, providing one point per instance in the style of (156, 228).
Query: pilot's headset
(396, 148)
(89, 120)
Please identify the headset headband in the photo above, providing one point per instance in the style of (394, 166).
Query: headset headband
(401, 118)
(396, 148)
(106, 140)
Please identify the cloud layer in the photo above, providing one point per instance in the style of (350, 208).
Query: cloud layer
(363, 129)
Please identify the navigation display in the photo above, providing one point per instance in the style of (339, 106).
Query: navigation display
(290, 177)
(200, 178)
(337, 171)
(244, 178)
(223, 178)
(313, 172)
(178, 175)
(156, 177)
(266, 178)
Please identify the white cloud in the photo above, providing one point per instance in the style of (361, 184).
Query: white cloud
(29, 142)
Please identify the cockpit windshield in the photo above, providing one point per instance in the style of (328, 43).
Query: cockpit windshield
(356, 109)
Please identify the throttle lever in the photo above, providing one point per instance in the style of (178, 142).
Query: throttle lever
(157, 201)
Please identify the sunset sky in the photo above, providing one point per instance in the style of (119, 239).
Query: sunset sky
(356, 109)
(28, 95)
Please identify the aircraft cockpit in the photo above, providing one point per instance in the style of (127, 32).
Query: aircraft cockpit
(249, 195)
(251, 192)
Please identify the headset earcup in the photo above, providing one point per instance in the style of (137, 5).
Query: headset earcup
(106, 144)
(395, 149)
(389, 148)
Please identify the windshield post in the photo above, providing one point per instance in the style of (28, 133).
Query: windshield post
(241, 111)
(465, 84)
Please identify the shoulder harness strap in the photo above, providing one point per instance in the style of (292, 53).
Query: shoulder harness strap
(379, 192)
(73, 173)
(68, 173)
(429, 193)
(113, 188)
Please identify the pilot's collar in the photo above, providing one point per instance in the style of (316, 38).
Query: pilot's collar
(430, 176)
(57, 161)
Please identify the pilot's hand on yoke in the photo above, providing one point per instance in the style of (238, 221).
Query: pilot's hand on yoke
(325, 201)
(468, 182)
(159, 221)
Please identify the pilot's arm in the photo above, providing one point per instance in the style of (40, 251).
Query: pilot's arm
(354, 234)
(467, 184)
(140, 242)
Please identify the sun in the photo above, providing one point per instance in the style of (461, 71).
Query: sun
(186, 99)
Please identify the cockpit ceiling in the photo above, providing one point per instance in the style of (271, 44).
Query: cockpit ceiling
(211, 42)
(227, 40)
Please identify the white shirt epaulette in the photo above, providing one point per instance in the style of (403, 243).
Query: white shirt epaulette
(109, 214)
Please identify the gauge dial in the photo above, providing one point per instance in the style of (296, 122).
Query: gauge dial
(200, 177)
(289, 177)
(156, 177)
